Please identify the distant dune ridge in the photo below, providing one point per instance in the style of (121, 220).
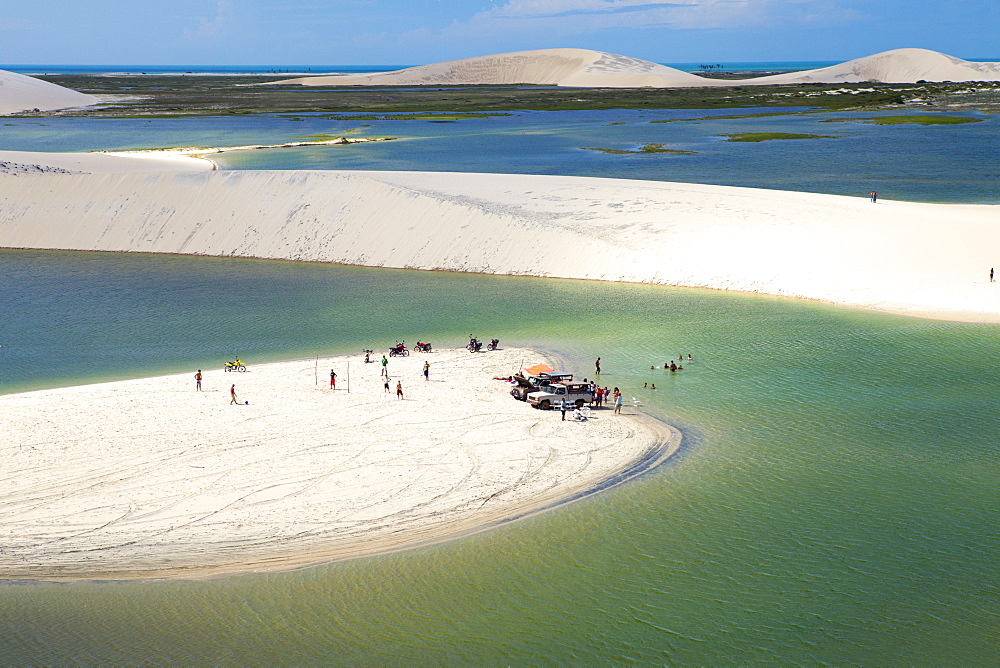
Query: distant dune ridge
(897, 66)
(23, 93)
(554, 67)
(596, 69)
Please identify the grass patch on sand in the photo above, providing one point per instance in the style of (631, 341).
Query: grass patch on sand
(772, 136)
(644, 149)
(908, 120)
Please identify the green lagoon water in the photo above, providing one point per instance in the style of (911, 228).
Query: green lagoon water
(834, 501)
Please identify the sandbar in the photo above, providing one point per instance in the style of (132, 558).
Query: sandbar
(149, 478)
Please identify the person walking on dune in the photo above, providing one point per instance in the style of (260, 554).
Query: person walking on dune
(232, 393)
(399, 389)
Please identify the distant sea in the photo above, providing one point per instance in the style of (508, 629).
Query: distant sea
(733, 66)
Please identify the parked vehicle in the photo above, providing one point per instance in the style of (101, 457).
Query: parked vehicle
(236, 365)
(528, 383)
(493, 344)
(398, 350)
(575, 393)
(475, 345)
(422, 347)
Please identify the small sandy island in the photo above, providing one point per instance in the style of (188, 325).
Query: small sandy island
(149, 478)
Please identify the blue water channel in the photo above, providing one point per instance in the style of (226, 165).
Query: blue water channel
(950, 163)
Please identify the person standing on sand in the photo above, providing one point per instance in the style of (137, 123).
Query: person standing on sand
(385, 367)
(562, 409)
(386, 384)
(197, 377)
(333, 380)
(618, 402)
(597, 365)
(399, 389)
(232, 393)
(991, 274)
(874, 196)
(427, 370)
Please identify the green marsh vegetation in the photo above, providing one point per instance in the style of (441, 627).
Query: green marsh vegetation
(644, 149)
(145, 96)
(772, 136)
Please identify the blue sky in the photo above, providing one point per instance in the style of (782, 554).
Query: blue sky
(395, 32)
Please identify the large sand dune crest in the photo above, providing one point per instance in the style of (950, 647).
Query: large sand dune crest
(22, 93)
(928, 259)
(551, 67)
(897, 66)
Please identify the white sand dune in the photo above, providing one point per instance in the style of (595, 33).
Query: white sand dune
(549, 67)
(30, 162)
(23, 93)
(897, 66)
(149, 478)
(920, 259)
(597, 69)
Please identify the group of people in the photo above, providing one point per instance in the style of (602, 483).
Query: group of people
(672, 365)
(601, 398)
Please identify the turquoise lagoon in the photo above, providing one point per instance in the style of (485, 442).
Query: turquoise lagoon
(834, 502)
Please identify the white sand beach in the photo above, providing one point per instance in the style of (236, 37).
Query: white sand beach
(585, 68)
(919, 259)
(149, 478)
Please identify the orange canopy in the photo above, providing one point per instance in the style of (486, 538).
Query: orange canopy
(537, 369)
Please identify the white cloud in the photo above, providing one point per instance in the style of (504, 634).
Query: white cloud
(214, 26)
(586, 16)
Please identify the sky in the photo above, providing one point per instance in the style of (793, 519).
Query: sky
(416, 32)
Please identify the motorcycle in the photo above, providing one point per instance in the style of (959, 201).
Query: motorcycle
(422, 347)
(474, 345)
(493, 344)
(398, 350)
(235, 366)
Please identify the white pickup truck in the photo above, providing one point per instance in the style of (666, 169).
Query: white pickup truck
(574, 393)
